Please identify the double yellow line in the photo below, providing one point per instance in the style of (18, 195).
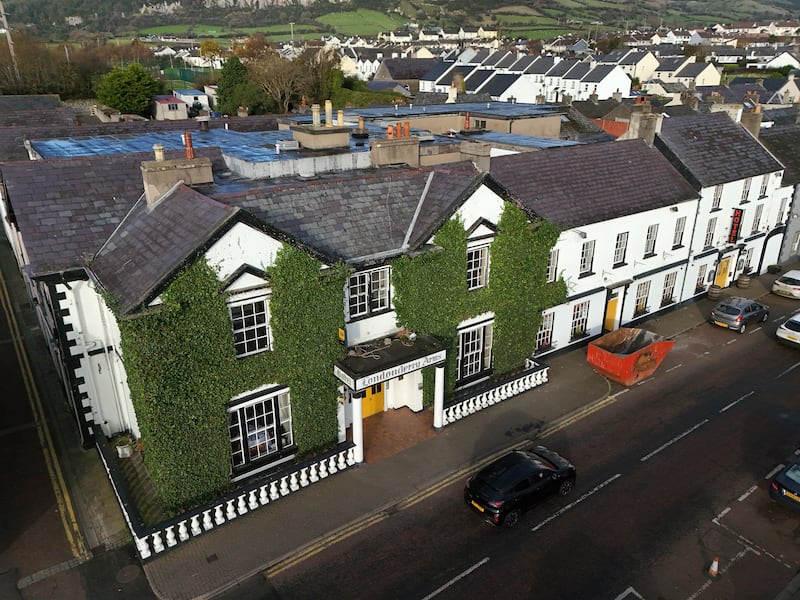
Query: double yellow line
(353, 528)
(65, 509)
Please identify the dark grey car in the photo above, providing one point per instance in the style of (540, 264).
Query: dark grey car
(737, 313)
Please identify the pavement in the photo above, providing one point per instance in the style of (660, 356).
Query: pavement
(229, 562)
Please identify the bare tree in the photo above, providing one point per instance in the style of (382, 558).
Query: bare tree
(317, 67)
(280, 78)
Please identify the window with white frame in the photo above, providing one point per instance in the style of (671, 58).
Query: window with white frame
(474, 351)
(700, 283)
(172, 107)
(782, 211)
(796, 243)
(580, 319)
(717, 197)
(764, 182)
(642, 294)
(680, 227)
(710, 230)
(552, 266)
(620, 247)
(368, 292)
(250, 322)
(757, 218)
(544, 337)
(650, 240)
(748, 256)
(260, 428)
(668, 294)
(746, 189)
(587, 257)
(477, 266)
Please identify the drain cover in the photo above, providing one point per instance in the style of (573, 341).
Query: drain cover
(128, 573)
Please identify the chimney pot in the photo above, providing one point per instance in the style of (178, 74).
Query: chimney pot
(159, 152)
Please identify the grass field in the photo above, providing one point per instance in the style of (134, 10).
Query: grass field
(362, 22)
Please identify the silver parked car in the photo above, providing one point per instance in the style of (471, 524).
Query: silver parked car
(737, 313)
(787, 285)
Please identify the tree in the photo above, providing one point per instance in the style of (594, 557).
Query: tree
(210, 50)
(280, 78)
(235, 89)
(317, 68)
(128, 89)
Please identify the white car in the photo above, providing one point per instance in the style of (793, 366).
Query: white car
(788, 332)
(787, 285)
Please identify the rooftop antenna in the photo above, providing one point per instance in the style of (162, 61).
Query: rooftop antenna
(4, 23)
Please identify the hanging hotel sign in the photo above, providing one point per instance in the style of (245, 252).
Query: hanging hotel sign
(363, 383)
(736, 225)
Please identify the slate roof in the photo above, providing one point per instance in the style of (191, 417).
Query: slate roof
(783, 143)
(85, 200)
(578, 71)
(598, 74)
(773, 84)
(500, 83)
(439, 68)
(505, 62)
(355, 217)
(478, 77)
(541, 65)
(494, 57)
(28, 102)
(408, 68)
(670, 64)
(447, 78)
(595, 110)
(711, 149)
(153, 243)
(522, 63)
(615, 179)
(692, 69)
(562, 67)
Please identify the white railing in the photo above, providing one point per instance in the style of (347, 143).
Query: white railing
(152, 541)
(534, 375)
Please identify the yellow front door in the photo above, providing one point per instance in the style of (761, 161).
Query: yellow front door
(722, 272)
(611, 312)
(373, 400)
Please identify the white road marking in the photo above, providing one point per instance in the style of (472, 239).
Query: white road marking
(645, 380)
(752, 331)
(775, 470)
(455, 579)
(794, 366)
(678, 366)
(749, 545)
(781, 318)
(729, 342)
(627, 593)
(619, 393)
(735, 402)
(673, 440)
(744, 496)
(722, 514)
(579, 500)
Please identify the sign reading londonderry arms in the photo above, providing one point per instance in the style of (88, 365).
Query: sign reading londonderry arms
(363, 383)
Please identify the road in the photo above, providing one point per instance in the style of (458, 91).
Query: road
(672, 473)
(52, 546)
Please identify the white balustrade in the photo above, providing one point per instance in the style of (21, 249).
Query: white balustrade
(263, 495)
(241, 506)
(143, 547)
(219, 519)
(252, 500)
(293, 484)
(158, 545)
(304, 477)
(195, 527)
(171, 541)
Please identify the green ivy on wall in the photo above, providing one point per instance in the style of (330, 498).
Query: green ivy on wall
(182, 371)
(431, 295)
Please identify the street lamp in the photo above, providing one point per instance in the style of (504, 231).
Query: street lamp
(291, 29)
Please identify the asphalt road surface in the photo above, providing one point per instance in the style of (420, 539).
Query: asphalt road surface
(672, 473)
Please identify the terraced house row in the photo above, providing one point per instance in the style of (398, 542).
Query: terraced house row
(240, 301)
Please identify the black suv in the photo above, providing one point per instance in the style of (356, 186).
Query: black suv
(502, 490)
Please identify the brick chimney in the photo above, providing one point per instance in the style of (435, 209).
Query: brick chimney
(751, 120)
(160, 175)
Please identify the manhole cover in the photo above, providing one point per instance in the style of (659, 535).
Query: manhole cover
(128, 573)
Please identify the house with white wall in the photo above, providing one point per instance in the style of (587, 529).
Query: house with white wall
(623, 250)
(744, 204)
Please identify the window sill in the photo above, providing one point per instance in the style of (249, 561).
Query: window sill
(619, 265)
(641, 313)
(586, 274)
(648, 255)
